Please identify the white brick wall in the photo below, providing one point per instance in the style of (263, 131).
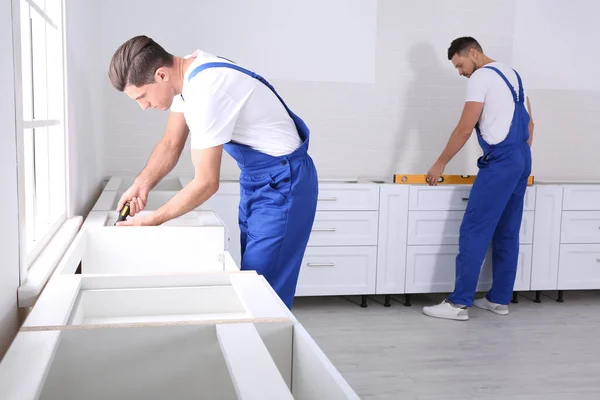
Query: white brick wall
(400, 123)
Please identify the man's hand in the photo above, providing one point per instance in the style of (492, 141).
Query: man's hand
(434, 173)
(140, 220)
(137, 195)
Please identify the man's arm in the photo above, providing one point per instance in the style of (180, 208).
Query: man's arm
(460, 135)
(462, 132)
(165, 155)
(530, 127)
(207, 165)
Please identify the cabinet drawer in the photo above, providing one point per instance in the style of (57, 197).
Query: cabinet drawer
(579, 266)
(344, 228)
(443, 227)
(338, 271)
(348, 197)
(580, 227)
(581, 197)
(431, 269)
(449, 198)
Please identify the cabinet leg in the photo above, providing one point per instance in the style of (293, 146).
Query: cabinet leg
(407, 300)
(363, 302)
(560, 297)
(538, 296)
(388, 300)
(515, 298)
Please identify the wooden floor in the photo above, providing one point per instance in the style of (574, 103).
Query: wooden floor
(540, 351)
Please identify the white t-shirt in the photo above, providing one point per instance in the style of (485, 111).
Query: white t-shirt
(486, 86)
(222, 105)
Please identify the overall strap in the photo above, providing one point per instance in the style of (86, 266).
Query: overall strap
(512, 90)
(254, 75)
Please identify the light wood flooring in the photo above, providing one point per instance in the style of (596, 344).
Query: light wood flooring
(548, 351)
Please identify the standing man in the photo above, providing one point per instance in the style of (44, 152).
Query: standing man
(495, 107)
(225, 106)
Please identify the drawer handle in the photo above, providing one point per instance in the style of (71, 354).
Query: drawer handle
(320, 264)
(465, 199)
(323, 230)
(327, 199)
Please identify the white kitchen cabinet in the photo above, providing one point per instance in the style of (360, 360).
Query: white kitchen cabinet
(338, 271)
(546, 237)
(341, 255)
(82, 300)
(432, 269)
(114, 250)
(419, 234)
(254, 361)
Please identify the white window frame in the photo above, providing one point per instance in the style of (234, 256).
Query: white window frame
(30, 251)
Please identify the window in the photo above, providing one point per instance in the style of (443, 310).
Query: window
(43, 158)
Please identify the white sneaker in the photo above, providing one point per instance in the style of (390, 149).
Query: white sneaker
(447, 310)
(496, 308)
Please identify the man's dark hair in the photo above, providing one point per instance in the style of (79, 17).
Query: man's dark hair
(461, 45)
(136, 61)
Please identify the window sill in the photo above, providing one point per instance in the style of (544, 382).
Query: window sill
(45, 263)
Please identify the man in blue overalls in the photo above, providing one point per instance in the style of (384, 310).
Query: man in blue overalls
(495, 107)
(225, 106)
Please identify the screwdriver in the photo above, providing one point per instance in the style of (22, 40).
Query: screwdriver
(124, 213)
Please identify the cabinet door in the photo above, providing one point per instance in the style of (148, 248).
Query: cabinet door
(338, 271)
(579, 266)
(546, 237)
(443, 227)
(391, 248)
(580, 227)
(452, 198)
(348, 197)
(432, 269)
(344, 228)
(581, 197)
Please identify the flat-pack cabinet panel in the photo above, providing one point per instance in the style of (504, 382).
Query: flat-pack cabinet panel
(89, 300)
(271, 360)
(146, 250)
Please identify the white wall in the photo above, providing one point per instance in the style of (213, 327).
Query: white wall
(84, 102)
(9, 203)
(396, 98)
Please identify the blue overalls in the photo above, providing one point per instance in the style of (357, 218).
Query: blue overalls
(495, 210)
(278, 201)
